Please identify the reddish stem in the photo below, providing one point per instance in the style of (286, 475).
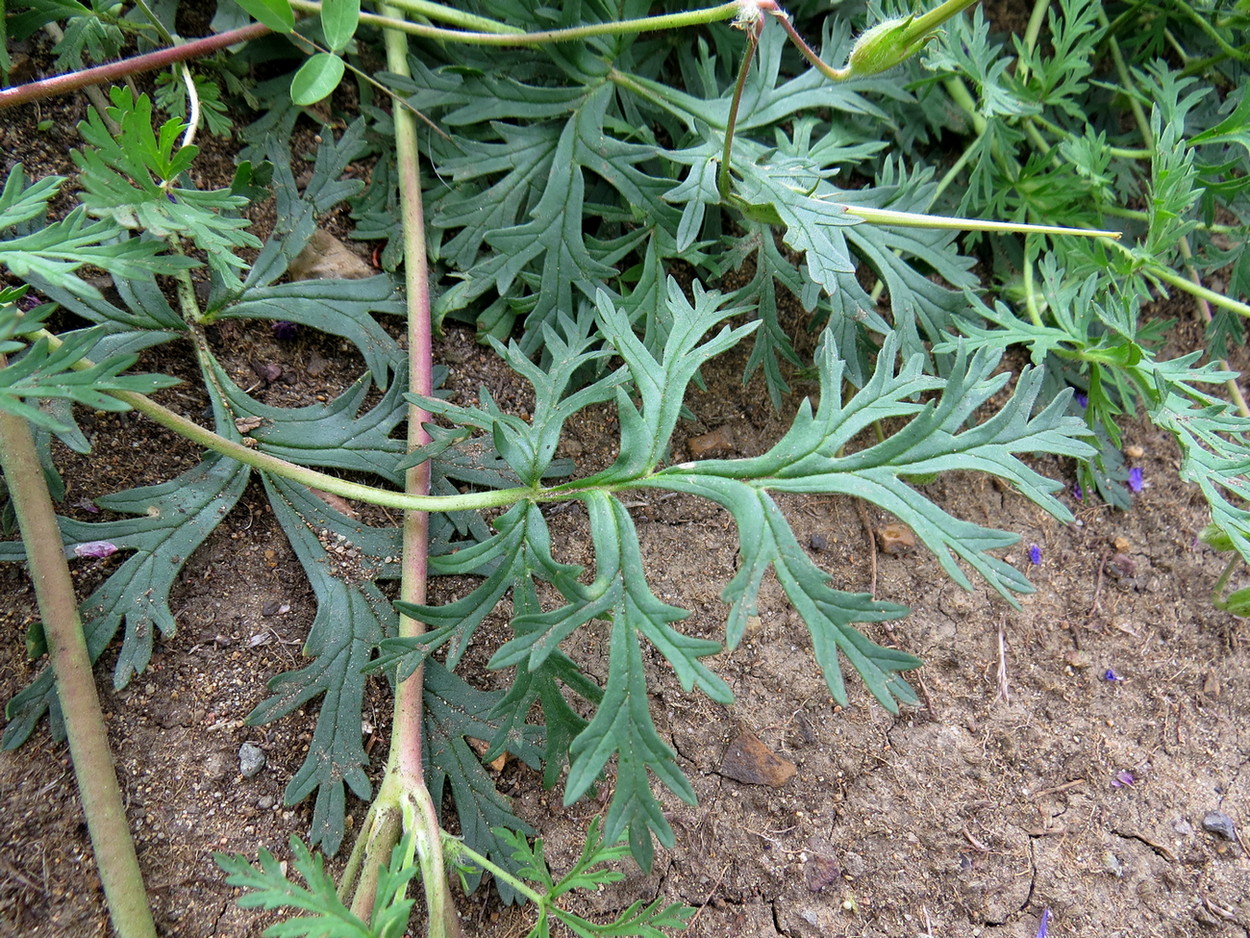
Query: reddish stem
(63, 84)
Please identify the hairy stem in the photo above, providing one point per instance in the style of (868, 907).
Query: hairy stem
(64, 84)
(75, 685)
(479, 38)
(405, 766)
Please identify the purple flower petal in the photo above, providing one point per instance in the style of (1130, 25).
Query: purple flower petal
(1076, 491)
(1123, 778)
(1045, 925)
(95, 549)
(1110, 675)
(1134, 479)
(1082, 399)
(1035, 554)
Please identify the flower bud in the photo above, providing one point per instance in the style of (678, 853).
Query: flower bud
(885, 45)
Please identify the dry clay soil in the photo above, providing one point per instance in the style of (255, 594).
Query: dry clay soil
(1028, 781)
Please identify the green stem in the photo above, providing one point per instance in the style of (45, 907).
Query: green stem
(1167, 275)
(1216, 601)
(885, 216)
(496, 498)
(1030, 298)
(1204, 310)
(455, 848)
(1139, 215)
(75, 684)
(480, 38)
(452, 16)
(1139, 115)
(1121, 152)
(1032, 32)
(152, 18)
(963, 98)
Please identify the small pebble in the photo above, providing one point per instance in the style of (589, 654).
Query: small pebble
(895, 539)
(818, 542)
(1217, 822)
(251, 759)
(265, 802)
(1078, 659)
(1120, 566)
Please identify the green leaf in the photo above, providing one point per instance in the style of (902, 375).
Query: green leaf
(269, 887)
(276, 14)
(338, 307)
(44, 374)
(130, 178)
(343, 560)
(454, 712)
(316, 78)
(338, 23)
(622, 727)
(171, 520)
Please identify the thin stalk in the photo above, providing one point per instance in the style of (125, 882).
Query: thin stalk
(63, 84)
(1030, 297)
(1167, 275)
(453, 17)
(405, 769)
(714, 14)
(454, 847)
(1139, 115)
(75, 685)
(723, 183)
(885, 216)
(1220, 583)
(1139, 215)
(497, 498)
(1204, 310)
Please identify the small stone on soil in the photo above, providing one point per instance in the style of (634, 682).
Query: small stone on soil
(895, 539)
(720, 440)
(251, 759)
(818, 542)
(749, 761)
(1217, 822)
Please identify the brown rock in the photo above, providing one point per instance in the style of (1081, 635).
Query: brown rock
(896, 538)
(719, 441)
(326, 257)
(749, 761)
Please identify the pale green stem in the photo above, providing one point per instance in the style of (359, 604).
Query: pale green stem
(1139, 215)
(1167, 275)
(1216, 600)
(453, 17)
(1030, 298)
(885, 216)
(1121, 152)
(1033, 31)
(962, 97)
(497, 498)
(454, 847)
(1204, 309)
(75, 684)
(956, 168)
(1139, 115)
(479, 38)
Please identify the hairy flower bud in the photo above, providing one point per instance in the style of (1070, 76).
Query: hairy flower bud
(885, 45)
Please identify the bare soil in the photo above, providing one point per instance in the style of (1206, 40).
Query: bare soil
(1065, 759)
